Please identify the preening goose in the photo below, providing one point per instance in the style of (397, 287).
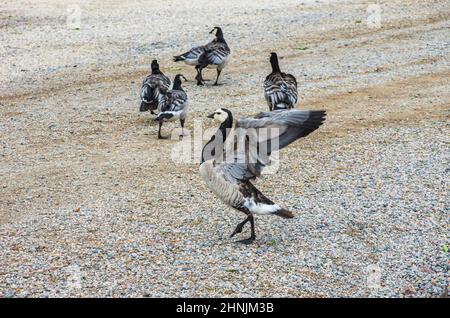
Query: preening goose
(280, 89)
(153, 87)
(228, 170)
(215, 54)
(173, 105)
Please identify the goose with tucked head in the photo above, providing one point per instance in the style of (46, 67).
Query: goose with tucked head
(215, 54)
(227, 168)
(153, 87)
(280, 89)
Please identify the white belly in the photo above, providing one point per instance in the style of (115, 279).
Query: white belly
(225, 62)
(191, 61)
(225, 190)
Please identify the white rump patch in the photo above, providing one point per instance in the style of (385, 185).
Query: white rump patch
(281, 105)
(260, 208)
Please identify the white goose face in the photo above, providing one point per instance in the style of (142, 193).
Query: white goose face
(220, 115)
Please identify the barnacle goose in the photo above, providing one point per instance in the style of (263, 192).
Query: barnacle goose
(215, 54)
(153, 86)
(173, 105)
(280, 89)
(227, 170)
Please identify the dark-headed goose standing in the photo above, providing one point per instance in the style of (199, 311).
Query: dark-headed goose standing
(215, 54)
(173, 105)
(228, 170)
(280, 89)
(153, 87)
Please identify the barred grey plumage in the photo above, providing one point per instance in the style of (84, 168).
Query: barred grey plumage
(280, 89)
(228, 174)
(173, 105)
(215, 54)
(153, 87)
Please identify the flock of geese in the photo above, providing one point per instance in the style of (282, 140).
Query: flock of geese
(234, 155)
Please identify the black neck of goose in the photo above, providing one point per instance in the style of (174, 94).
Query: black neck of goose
(155, 69)
(177, 83)
(219, 36)
(223, 131)
(274, 63)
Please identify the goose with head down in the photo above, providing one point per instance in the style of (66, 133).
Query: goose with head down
(227, 170)
(153, 87)
(215, 54)
(280, 89)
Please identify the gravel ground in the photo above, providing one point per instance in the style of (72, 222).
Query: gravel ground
(92, 205)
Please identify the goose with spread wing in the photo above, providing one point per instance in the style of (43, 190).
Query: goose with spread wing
(227, 170)
(173, 105)
(215, 54)
(153, 87)
(280, 89)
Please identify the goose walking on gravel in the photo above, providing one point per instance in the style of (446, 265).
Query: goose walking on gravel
(153, 87)
(280, 89)
(228, 170)
(173, 105)
(215, 54)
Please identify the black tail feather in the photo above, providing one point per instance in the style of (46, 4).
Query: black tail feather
(284, 214)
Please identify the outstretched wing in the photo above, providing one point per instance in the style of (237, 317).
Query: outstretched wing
(256, 138)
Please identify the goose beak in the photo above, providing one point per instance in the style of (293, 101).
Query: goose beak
(211, 116)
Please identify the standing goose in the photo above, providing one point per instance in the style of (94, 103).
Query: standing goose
(215, 54)
(153, 87)
(173, 105)
(280, 89)
(227, 171)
